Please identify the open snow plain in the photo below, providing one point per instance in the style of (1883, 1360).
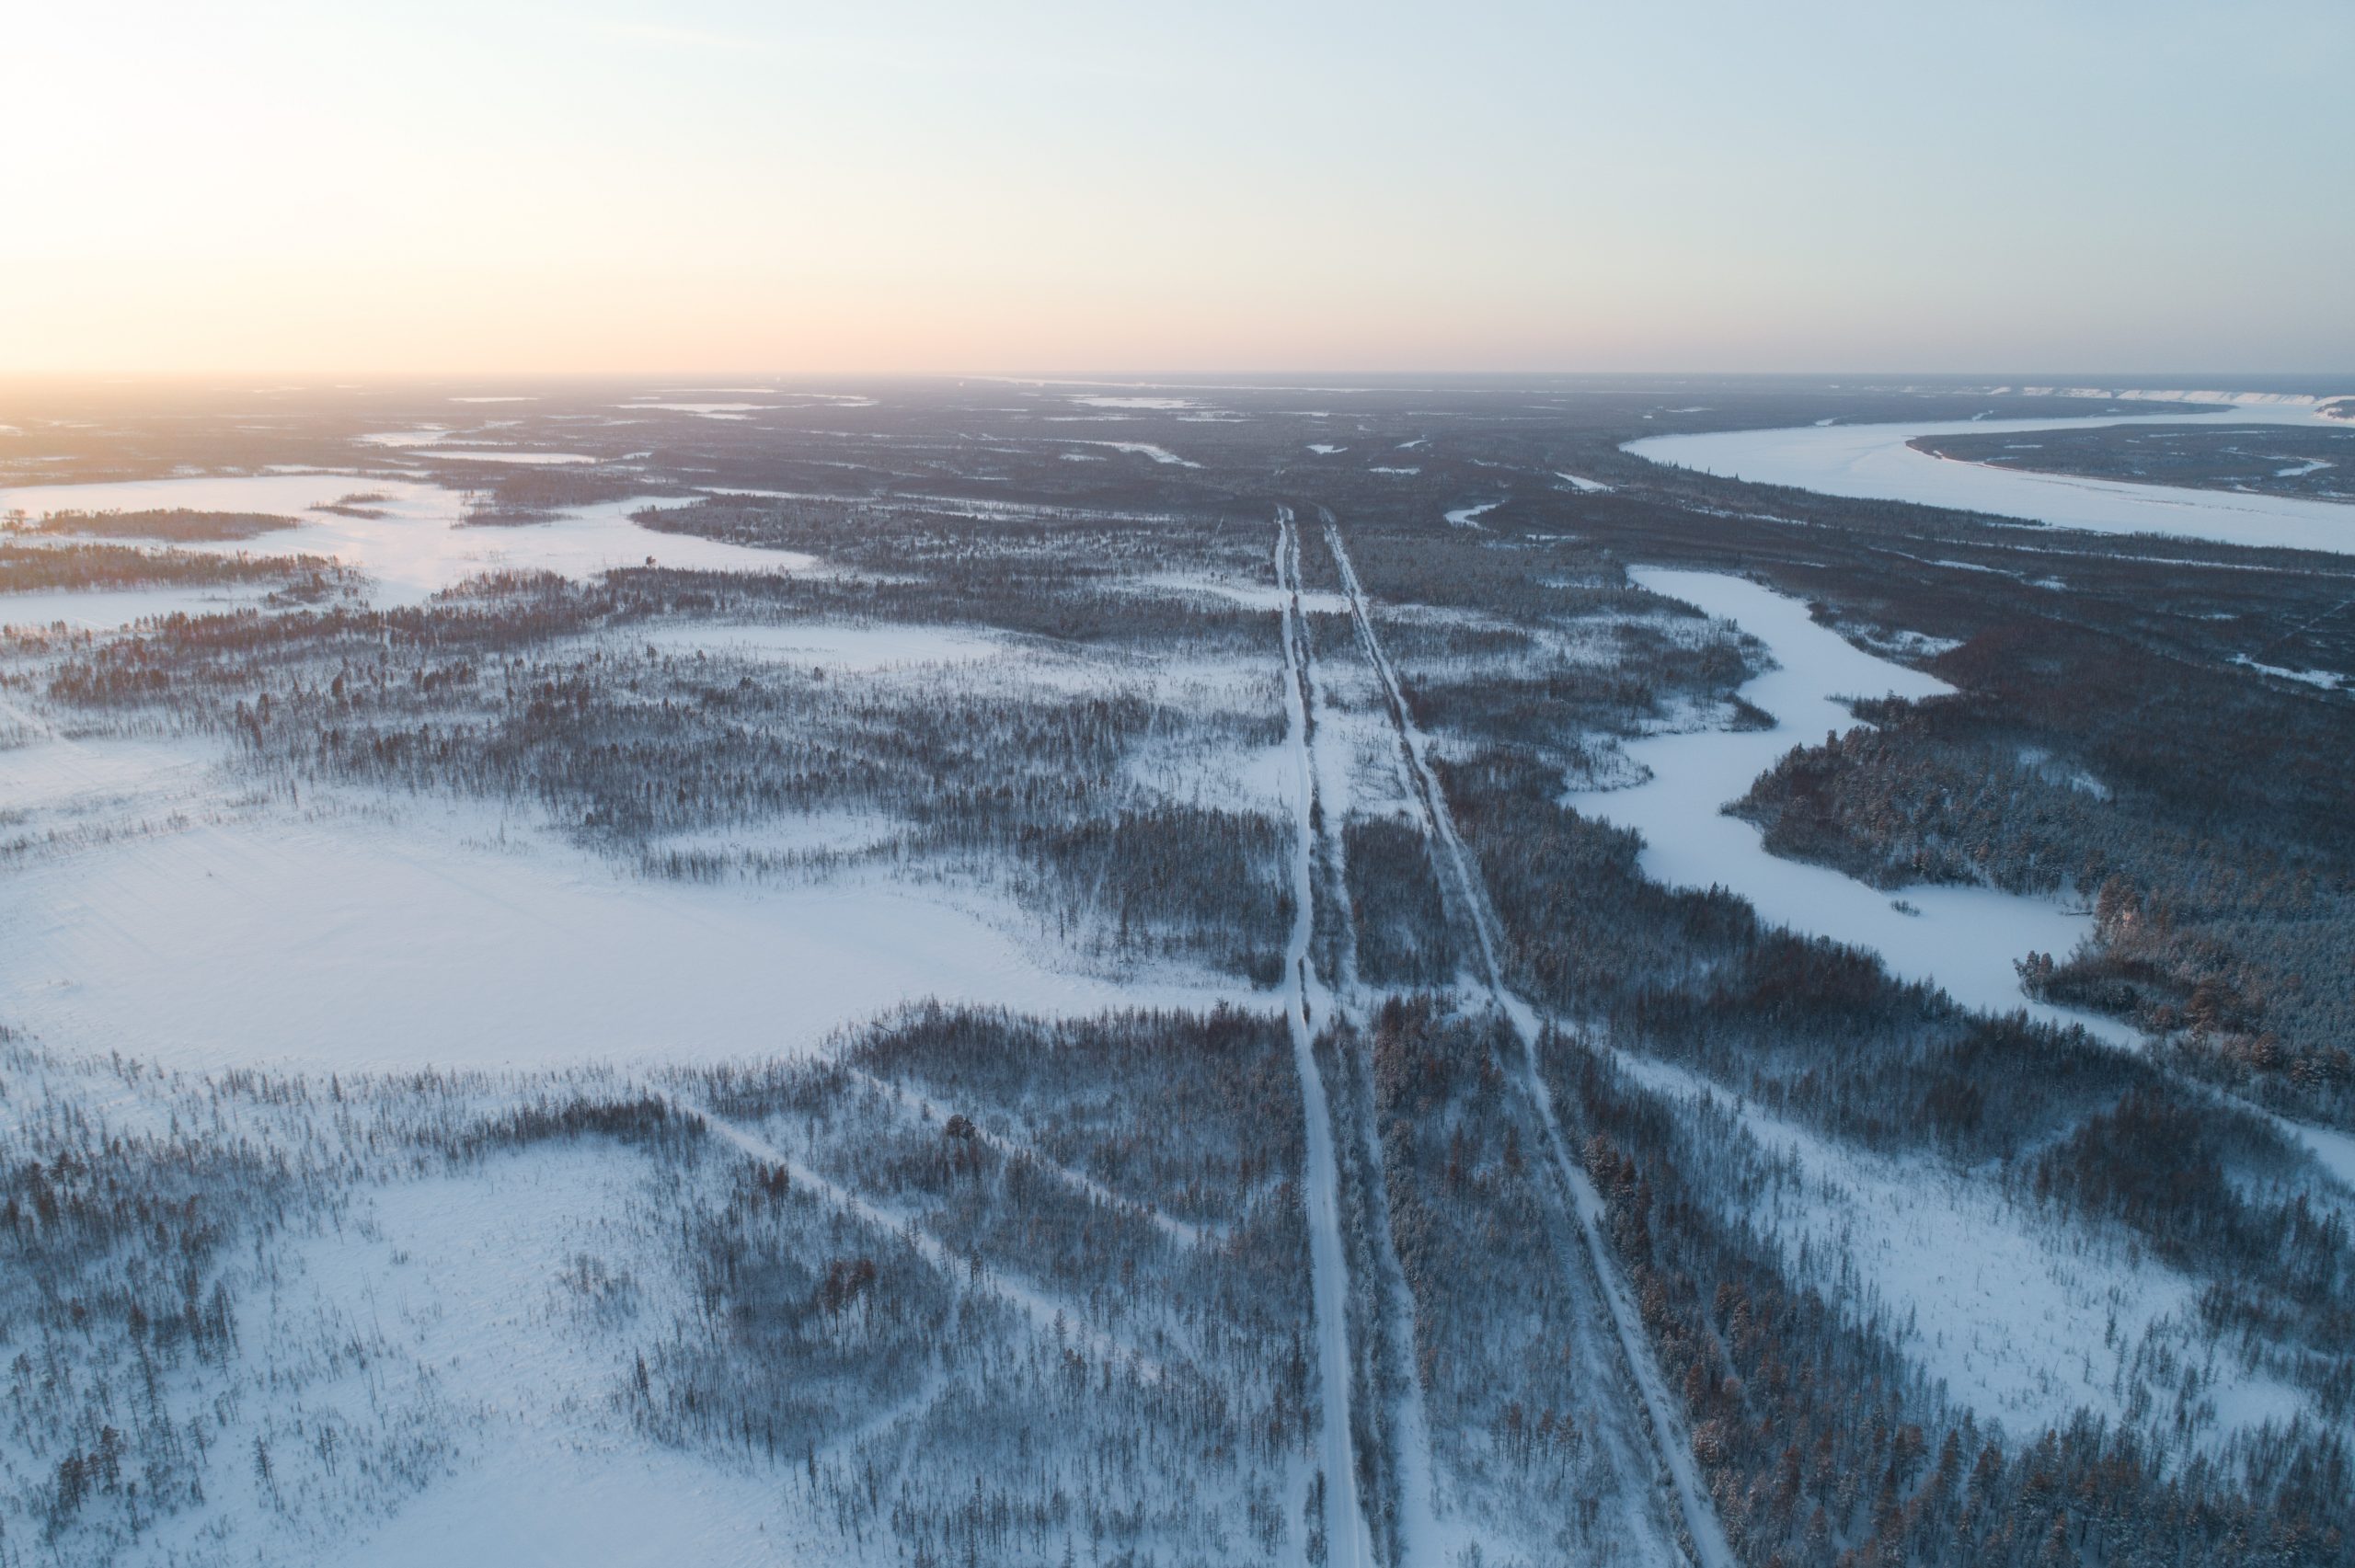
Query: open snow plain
(627, 974)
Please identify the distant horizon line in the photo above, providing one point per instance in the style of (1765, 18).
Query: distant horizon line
(2188, 380)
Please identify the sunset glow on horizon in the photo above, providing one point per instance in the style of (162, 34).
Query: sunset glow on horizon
(519, 188)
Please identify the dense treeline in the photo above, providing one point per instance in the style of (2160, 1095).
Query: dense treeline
(2246, 459)
(882, 1375)
(1400, 921)
(871, 1308)
(1067, 1257)
(2227, 941)
(1820, 1441)
(1532, 1423)
(26, 569)
(1029, 781)
(166, 522)
(1808, 1031)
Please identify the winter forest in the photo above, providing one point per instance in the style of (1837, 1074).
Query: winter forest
(1465, 971)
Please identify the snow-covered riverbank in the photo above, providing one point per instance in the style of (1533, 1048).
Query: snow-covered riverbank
(1964, 939)
(1876, 463)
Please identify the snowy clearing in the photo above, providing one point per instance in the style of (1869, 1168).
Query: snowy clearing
(411, 543)
(386, 938)
(1147, 449)
(2022, 1319)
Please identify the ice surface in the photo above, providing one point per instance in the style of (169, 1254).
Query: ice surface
(1964, 939)
(1873, 462)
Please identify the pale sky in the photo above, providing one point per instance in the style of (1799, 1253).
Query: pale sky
(509, 185)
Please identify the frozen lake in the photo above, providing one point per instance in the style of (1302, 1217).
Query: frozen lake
(1964, 939)
(1875, 462)
(412, 550)
(396, 934)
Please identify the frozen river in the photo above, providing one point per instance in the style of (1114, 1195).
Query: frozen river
(1875, 462)
(1963, 939)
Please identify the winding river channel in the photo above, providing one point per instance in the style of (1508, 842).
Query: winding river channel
(1876, 463)
(1963, 939)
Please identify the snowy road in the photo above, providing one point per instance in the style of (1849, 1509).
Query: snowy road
(1706, 1535)
(1351, 1541)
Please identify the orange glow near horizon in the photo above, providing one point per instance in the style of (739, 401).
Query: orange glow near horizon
(515, 189)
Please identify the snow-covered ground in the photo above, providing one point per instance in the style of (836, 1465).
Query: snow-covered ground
(1310, 999)
(1964, 939)
(708, 410)
(2025, 1316)
(415, 548)
(1875, 462)
(2329, 680)
(108, 609)
(466, 1275)
(828, 644)
(1251, 596)
(500, 454)
(1147, 449)
(355, 934)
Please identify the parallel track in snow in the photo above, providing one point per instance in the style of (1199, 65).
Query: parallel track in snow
(1350, 1535)
(1050, 1313)
(1706, 1535)
(1403, 1429)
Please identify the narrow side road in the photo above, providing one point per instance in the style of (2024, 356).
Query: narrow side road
(1350, 1538)
(1707, 1535)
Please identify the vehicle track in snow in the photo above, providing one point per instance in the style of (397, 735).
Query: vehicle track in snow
(913, 1103)
(1706, 1535)
(1349, 1536)
(1047, 1314)
(1403, 1431)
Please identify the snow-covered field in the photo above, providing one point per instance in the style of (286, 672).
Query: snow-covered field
(107, 609)
(465, 1284)
(325, 898)
(356, 934)
(414, 547)
(1873, 462)
(2024, 1318)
